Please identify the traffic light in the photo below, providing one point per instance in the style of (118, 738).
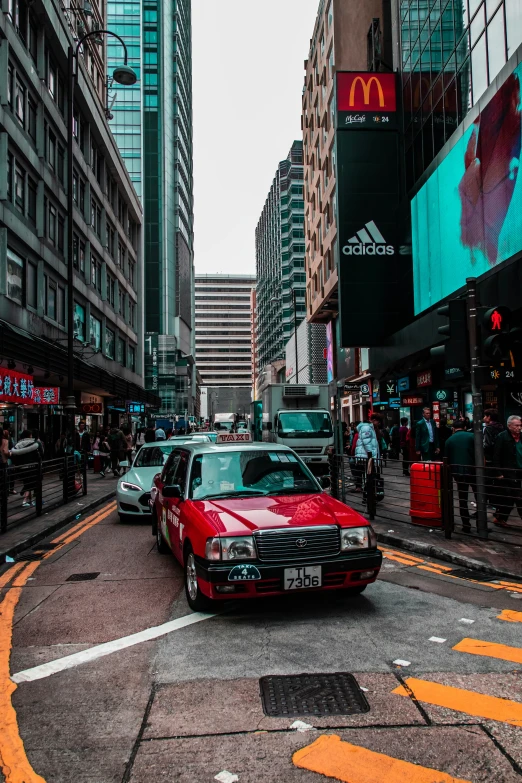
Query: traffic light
(456, 349)
(497, 337)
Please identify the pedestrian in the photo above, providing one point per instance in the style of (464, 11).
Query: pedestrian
(404, 446)
(118, 447)
(346, 438)
(160, 434)
(395, 438)
(60, 447)
(127, 432)
(376, 421)
(460, 452)
(84, 444)
(492, 430)
(426, 437)
(27, 457)
(105, 450)
(507, 460)
(150, 435)
(445, 432)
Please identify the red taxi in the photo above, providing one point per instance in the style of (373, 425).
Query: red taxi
(249, 519)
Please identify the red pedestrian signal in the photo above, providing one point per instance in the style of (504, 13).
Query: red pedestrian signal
(496, 321)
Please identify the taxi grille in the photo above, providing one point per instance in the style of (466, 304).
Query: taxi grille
(287, 545)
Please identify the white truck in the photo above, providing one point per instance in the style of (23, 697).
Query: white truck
(297, 416)
(224, 421)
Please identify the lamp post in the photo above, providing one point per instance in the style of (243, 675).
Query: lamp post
(123, 75)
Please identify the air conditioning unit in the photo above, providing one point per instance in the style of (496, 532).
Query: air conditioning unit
(297, 390)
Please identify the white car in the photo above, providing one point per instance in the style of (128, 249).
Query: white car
(133, 488)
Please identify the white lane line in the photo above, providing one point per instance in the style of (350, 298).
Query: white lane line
(100, 650)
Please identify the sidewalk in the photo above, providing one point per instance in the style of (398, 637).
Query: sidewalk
(27, 534)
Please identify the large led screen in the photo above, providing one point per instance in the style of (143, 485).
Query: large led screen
(467, 218)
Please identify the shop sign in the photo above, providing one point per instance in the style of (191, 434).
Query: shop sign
(365, 389)
(351, 387)
(135, 407)
(436, 412)
(16, 387)
(46, 395)
(92, 408)
(356, 399)
(424, 378)
(395, 402)
(453, 372)
(86, 397)
(345, 402)
(387, 389)
(403, 384)
(414, 399)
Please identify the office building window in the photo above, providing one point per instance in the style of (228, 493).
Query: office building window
(32, 285)
(79, 322)
(109, 343)
(120, 351)
(96, 274)
(50, 297)
(60, 306)
(19, 188)
(95, 332)
(132, 358)
(15, 277)
(111, 288)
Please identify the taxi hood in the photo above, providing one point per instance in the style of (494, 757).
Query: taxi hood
(243, 516)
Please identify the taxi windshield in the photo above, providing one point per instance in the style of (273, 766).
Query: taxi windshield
(248, 473)
(153, 456)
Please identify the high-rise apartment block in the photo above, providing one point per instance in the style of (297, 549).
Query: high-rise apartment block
(280, 248)
(107, 214)
(349, 35)
(153, 126)
(224, 329)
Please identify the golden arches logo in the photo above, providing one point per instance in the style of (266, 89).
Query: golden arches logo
(366, 87)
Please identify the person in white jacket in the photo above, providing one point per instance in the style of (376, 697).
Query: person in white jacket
(366, 441)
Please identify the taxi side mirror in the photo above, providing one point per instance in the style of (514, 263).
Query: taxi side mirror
(325, 482)
(173, 491)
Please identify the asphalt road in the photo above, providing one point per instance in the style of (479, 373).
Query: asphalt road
(185, 706)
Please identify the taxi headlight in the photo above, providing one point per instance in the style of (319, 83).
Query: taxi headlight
(358, 538)
(236, 548)
(126, 486)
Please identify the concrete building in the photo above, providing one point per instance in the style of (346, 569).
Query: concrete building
(108, 259)
(224, 329)
(349, 35)
(280, 251)
(152, 122)
(310, 366)
(253, 331)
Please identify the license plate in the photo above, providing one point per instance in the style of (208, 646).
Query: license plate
(302, 577)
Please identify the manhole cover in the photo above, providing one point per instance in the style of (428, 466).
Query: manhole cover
(312, 694)
(82, 577)
(468, 573)
(28, 556)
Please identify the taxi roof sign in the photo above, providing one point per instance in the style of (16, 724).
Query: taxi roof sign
(234, 437)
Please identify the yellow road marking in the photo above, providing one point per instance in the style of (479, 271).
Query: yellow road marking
(332, 757)
(490, 650)
(469, 702)
(510, 616)
(13, 759)
(400, 560)
(5, 578)
(434, 570)
(402, 554)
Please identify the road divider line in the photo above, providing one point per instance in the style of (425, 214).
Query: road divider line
(107, 648)
(5, 578)
(334, 758)
(468, 702)
(84, 523)
(510, 616)
(490, 650)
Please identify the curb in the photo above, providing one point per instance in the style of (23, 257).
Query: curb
(442, 554)
(35, 538)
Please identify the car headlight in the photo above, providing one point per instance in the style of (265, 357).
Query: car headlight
(126, 486)
(236, 548)
(358, 538)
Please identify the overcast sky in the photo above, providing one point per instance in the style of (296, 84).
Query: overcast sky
(248, 73)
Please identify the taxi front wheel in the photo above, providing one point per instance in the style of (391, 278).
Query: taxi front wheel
(196, 600)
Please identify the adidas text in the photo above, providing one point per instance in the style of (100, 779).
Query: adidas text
(368, 250)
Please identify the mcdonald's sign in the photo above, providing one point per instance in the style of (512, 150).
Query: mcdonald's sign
(366, 100)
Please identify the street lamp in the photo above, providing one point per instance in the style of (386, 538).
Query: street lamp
(124, 75)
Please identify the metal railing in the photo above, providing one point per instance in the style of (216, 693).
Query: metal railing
(28, 491)
(437, 495)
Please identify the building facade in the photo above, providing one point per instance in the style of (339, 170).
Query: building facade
(223, 316)
(152, 123)
(280, 251)
(348, 36)
(108, 259)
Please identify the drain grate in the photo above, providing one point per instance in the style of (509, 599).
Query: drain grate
(45, 547)
(83, 577)
(468, 573)
(312, 694)
(28, 556)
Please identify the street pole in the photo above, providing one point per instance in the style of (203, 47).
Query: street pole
(294, 303)
(482, 521)
(70, 405)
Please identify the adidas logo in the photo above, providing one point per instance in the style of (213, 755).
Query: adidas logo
(368, 242)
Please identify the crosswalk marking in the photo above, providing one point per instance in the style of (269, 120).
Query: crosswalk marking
(490, 650)
(510, 616)
(331, 756)
(469, 702)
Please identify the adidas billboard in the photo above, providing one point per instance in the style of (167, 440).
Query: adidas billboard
(368, 242)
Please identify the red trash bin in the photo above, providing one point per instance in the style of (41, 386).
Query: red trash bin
(425, 490)
(96, 463)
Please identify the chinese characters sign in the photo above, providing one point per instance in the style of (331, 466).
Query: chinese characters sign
(15, 386)
(424, 378)
(46, 395)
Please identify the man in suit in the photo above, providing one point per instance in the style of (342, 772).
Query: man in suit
(426, 437)
(460, 451)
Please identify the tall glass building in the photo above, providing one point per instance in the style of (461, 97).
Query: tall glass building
(451, 50)
(153, 126)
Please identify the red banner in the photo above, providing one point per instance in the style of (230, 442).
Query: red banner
(46, 395)
(366, 92)
(15, 386)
